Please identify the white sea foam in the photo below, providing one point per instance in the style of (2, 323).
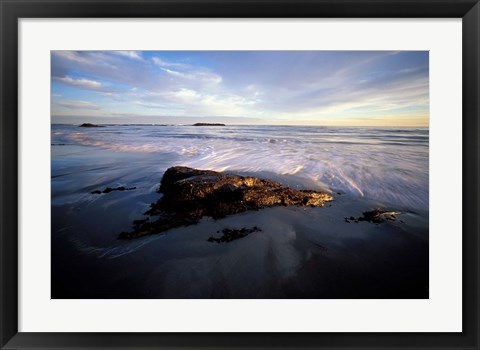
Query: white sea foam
(384, 164)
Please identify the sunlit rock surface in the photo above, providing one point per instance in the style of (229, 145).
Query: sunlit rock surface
(190, 194)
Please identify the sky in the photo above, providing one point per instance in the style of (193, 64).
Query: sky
(350, 88)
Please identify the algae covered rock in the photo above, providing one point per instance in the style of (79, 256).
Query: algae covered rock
(190, 194)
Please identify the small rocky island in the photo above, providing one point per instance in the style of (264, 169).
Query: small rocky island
(209, 124)
(191, 194)
(90, 125)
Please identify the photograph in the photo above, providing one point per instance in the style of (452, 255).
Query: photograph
(239, 174)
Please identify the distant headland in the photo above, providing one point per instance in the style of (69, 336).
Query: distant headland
(90, 125)
(209, 124)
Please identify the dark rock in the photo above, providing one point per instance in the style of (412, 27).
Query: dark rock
(376, 216)
(321, 247)
(172, 175)
(208, 124)
(190, 194)
(90, 125)
(233, 234)
(109, 189)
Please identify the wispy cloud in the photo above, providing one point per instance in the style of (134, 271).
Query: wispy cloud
(81, 82)
(195, 75)
(184, 71)
(162, 63)
(150, 105)
(71, 56)
(135, 55)
(76, 105)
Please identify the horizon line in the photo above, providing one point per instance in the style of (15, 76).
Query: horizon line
(292, 125)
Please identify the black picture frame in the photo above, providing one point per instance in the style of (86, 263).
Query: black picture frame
(12, 11)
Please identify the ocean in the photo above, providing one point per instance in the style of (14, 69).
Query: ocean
(299, 253)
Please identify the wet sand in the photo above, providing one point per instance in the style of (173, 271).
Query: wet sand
(299, 253)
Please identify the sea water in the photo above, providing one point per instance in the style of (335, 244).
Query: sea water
(387, 164)
(363, 168)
